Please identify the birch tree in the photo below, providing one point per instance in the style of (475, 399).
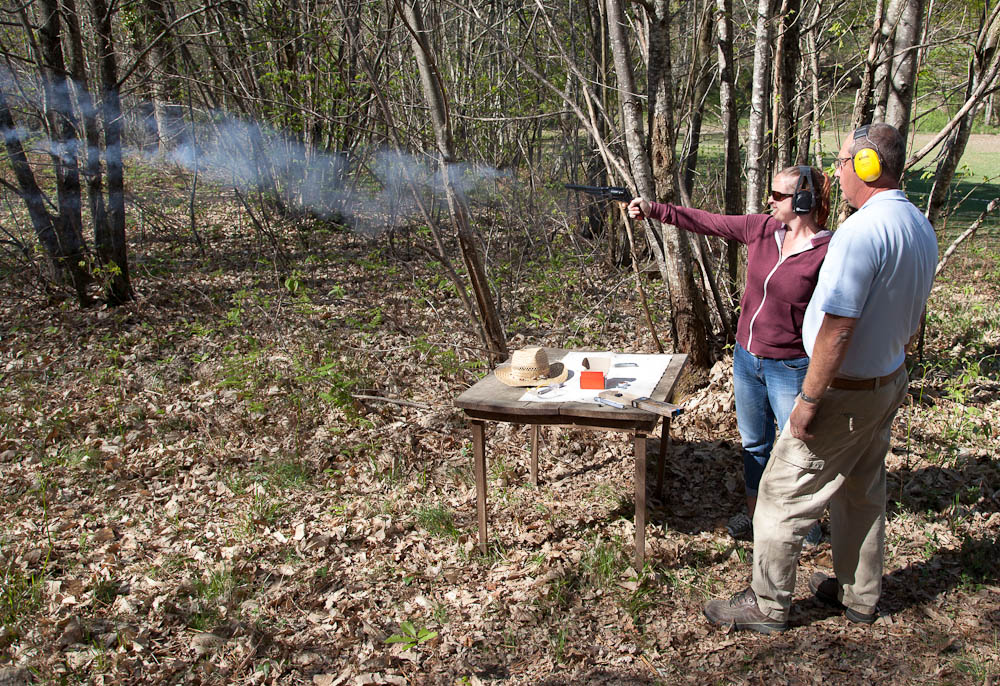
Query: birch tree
(810, 132)
(758, 145)
(903, 70)
(163, 72)
(732, 201)
(699, 79)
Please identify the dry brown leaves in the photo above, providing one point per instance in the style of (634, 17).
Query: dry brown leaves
(191, 495)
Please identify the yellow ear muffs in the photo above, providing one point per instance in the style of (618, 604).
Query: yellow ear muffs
(867, 165)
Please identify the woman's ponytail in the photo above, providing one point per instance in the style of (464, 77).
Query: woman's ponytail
(821, 208)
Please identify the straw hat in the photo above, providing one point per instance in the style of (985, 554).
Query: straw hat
(530, 367)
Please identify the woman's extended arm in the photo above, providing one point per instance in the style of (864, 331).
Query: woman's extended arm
(736, 227)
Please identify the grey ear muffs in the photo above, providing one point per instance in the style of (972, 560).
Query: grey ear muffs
(803, 199)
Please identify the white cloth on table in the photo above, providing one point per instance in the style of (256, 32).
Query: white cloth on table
(639, 380)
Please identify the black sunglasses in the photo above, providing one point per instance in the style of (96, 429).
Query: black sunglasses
(778, 196)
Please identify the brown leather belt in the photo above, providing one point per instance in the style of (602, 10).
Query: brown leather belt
(865, 384)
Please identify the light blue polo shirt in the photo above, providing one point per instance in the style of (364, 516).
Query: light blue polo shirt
(879, 269)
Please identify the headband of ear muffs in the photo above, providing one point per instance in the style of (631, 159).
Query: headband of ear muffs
(867, 161)
(803, 199)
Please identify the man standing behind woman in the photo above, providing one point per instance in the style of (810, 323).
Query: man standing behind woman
(869, 300)
(784, 252)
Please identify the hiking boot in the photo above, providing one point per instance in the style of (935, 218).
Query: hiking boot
(741, 612)
(825, 588)
(740, 527)
(814, 535)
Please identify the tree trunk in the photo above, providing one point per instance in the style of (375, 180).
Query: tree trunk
(110, 242)
(433, 90)
(758, 147)
(864, 100)
(869, 103)
(62, 234)
(883, 67)
(166, 110)
(62, 123)
(92, 133)
(903, 74)
(727, 103)
(62, 129)
(786, 68)
(951, 153)
(596, 171)
(65, 256)
(699, 79)
(810, 106)
(657, 180)
(392, 131)
(732, 197)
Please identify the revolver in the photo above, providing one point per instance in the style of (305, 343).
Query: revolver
(619, 193)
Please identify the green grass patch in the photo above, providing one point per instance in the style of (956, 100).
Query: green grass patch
(974, 186)
(438, 520)
(603, 562)
(21, 594)
(284, 473)
(219, 588)
(261, 512)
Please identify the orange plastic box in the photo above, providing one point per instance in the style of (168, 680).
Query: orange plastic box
(597, 367)
(592, 380)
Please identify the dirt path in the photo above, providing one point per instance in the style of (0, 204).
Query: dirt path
(980, 142)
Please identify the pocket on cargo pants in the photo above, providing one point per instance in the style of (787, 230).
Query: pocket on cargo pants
(792, 471)
(798, 473)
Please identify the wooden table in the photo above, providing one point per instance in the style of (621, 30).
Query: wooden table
(492, 401)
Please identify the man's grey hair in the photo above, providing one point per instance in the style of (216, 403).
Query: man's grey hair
(886, 140)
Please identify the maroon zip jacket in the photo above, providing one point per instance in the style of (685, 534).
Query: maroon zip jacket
(777, 290)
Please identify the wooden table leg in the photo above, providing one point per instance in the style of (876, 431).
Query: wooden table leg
(640, 501)
(534, 454)
(661, 465)
(479, 463)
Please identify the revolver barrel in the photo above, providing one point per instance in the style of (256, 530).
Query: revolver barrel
(619, 193)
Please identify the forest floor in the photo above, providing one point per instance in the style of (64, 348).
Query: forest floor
(255, 473)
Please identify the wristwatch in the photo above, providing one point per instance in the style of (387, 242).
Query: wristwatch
(809, 399)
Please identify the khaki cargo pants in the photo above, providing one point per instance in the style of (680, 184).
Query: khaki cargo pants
(843, 466)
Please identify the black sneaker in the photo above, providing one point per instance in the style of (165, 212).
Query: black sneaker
(825, 588)
(740, 527)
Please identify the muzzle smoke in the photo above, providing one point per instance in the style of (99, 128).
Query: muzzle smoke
(371, 191)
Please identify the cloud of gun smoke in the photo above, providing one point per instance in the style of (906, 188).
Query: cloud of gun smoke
(245, 154)
(251, 156)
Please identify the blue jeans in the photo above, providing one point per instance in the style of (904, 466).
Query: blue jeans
(765, 392)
